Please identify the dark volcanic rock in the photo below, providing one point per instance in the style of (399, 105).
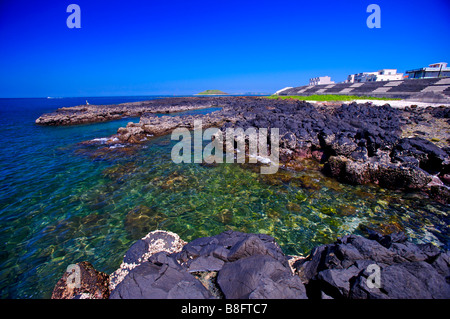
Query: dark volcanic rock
(248, 266)
(389, 175)
(431, 158)
(99, 113)
(259, 277)
(405, 270)
(413, 280)
(159, 280)
(252, 266)
(358, 143)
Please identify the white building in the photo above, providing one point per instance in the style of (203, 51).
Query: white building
(380, 75)
(320, 80)
(435, 70)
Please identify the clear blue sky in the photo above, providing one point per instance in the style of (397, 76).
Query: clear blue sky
(150, 47)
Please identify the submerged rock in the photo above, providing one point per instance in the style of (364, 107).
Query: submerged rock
(141, 219)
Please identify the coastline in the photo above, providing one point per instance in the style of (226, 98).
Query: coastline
(357, 143)
(235, 265)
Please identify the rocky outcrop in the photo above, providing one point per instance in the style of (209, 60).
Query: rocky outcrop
(83, 114)
(389, 175)
(357, 143)
(348, 269)
(229, 265)
(153, 125)
(154, 242)
(235, 265)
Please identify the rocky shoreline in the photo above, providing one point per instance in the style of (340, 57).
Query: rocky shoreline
(397, 148)
(84, 114)
(235, 265)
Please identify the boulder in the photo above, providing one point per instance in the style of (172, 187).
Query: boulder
(406, 270)
(159, 281)
(389, 175)
(252, 266)
(259, 276)
(430, 157)
(245, 265)
(154, 242)
(413, 280)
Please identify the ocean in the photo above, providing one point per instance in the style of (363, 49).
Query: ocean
(63, 201)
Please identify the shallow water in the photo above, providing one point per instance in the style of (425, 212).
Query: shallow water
(62, 202)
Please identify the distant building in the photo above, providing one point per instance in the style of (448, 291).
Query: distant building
(380, 75)
(435, 70)
(320, 80)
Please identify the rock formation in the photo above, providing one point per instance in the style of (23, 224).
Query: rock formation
(357, 143)
(235, 265)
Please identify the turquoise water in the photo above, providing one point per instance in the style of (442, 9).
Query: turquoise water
(63, 202)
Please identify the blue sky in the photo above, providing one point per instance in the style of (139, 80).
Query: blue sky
(183, 47)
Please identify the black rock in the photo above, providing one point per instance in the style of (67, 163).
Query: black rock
(405, 270)
(414, 280)
(259, 276)
(247, 247)
(205, 263)
(152, 281)
(135, 252)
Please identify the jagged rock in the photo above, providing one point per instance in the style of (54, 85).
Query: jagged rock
(259, 276)
(254, 254)
(358, 143)
(154, 242)
(394, 176)
(413, 280)
(247, 247)
(406, 270)
(159, 281)
(239, 265)
(336, 282)
(98, 113)
(430, 157)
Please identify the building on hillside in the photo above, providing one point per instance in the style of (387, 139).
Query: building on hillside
(380, 75)
(435, 70)
(320, 80)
